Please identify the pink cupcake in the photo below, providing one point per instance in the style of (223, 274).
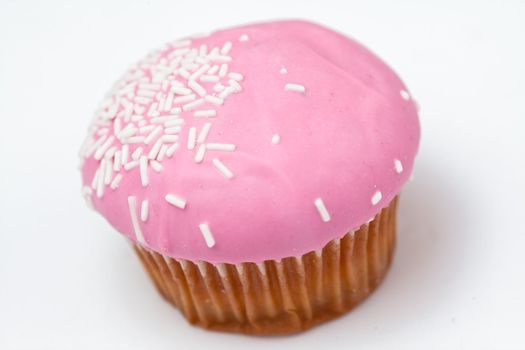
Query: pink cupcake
(256, 171)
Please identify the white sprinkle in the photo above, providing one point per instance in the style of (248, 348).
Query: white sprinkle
(197, 87)
(146, 93)
(244, 37)
(144, 171)
(169, 102)
(205, 113)
(108, 176)
(102, 149)
(136, 154)
(376, 197)
(128, 110)
(179, 90)
(235, 85)
(236, 76)
(125, 154)
(405, 95)
(116, 182)
(156, 166)
(399, 166)
(128, 131)
(184, 99)
(136, 117)
(163, 119)
(226, 48)
(325, 215)
(176, 201)
(221, 147)
(165, 84)
(94, 181)
(184, 73)
(294, 87)
(117, 161)
(101, 178)
(146, 86)
(202, 60)
(218, 87)
(131, 165)
(173, 130)
(162, 100)
(142, 100)
(162, 153)
(138, 109)
(226, 92)
(209, 78)
(191, 137)
(213, 99)
(200, 154)
(222, 168)
(152, 135)
(189, 66)
(204, 132)
(174, 122)
(193, 104)
(117, 126)
(110, 152)
(276, 139)
(155, 149)
(171, 150)
(220, 58)
(169, 138)
(199, 72)
(206, 233)
(144, 210)
(152, 111)
(214, 52)
(124, 101)
(132, 204)
(223, 70)
(214, 69)
(283, 70)
(135, 139)
(147, 128)
(155, 107)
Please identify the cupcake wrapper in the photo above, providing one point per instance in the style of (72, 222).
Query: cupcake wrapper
(279, 296)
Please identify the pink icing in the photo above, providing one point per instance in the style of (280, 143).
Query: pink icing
(339, 141)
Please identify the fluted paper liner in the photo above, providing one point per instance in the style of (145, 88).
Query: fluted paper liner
(279, 296)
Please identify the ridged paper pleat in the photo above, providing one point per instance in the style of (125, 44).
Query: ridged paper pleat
(279, 296)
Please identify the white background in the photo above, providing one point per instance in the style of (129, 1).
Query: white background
(67, 281)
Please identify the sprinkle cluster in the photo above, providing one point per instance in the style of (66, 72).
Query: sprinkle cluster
(140, 123)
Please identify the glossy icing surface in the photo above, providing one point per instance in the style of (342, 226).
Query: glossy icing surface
(315, 135)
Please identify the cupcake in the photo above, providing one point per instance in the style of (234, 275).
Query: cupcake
(256, 172)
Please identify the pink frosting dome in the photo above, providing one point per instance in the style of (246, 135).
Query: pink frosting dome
(253, 143)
